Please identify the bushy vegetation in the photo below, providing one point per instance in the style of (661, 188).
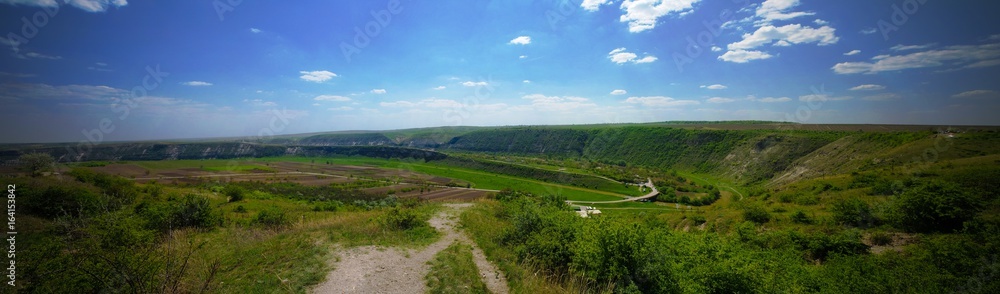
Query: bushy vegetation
(93, 232)
(637, 254)
(936, 206)
(677, 189)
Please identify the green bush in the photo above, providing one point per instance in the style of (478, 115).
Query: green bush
(853, 212)
(190, 211)
(402, 219)
(698, 219)
(194, 211)
(756, 214)
(935, 206)
(235, 193)
(271, 217)
(800, 217)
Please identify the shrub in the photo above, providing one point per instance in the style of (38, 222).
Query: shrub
(853, 212)
(271, 217)
(235, 193)
(240, 209)
(935, 206)
(402, 219)
(807, 199)
(800, 217)
(756, 214)
(194, 211)
(698, 219)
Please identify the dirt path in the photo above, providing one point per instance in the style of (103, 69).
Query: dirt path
(371, 269)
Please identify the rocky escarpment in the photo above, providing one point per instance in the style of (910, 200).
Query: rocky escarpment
(174, 151)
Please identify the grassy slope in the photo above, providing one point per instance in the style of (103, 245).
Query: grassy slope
(481, 180)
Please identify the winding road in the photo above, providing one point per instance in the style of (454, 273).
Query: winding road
(648, 184)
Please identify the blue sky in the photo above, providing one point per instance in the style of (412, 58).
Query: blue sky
(109, 70)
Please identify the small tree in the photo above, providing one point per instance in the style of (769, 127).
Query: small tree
(37, 163)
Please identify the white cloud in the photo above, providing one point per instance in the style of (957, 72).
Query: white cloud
(426, 103)
(984, 63)
(743, 56)
(977, 94)
(440, 88)
(378, 91)
(342, 108)
(822, 98)
(714, 87)
(902, 47)
(772, 10)
(619, 92)
(522, 40)
(475, 84)
(642, 15)
(882, 97)
(868, 31)
(660, 101)
(18, 91)
(318, 76)
(260, 103)
(526, 81)
(86, 5)
(16, 75)
(786, 35)
(621, 56)
(557, 103)
(716, 48)
(255, 30)
(647, 59)
(767, 13)
(853, 52)
(37, 55)
(593, 5)
(522, 57)
(772, 99)
(336, 98)
(196, 84)
(868, 87)
(719, 100)
(959, 56)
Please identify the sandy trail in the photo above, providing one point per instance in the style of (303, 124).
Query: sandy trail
(371, 269)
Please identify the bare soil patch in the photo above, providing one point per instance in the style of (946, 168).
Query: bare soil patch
(372, 269)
